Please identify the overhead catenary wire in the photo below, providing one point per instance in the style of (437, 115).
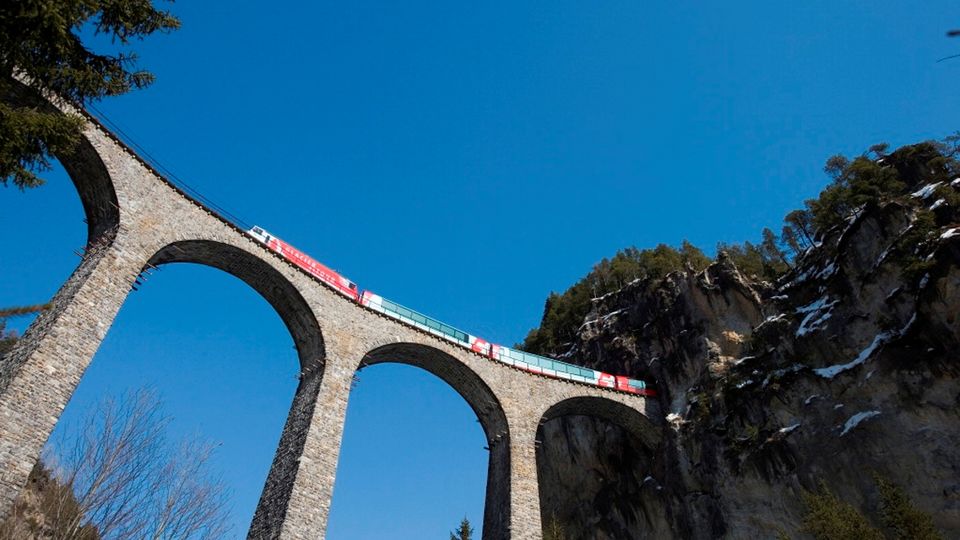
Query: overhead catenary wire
(170, 176)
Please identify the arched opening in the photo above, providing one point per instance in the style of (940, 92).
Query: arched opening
(86, 169)
(221, 359)
(427, 444)
(597, 472)
(46, 243)
(263, 278)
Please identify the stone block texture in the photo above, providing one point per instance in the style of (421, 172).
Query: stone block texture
(139, 220)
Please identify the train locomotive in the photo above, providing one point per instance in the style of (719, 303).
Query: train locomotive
(523, 360)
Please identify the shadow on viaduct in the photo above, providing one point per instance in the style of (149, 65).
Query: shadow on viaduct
(137, 219)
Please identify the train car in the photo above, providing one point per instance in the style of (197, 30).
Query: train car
(522, 360)
(342, 285)
(626, 384)
(429, 324)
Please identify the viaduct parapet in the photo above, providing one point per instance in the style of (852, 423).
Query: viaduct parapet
(137, 220)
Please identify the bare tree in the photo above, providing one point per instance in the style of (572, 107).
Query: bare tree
(123, 479)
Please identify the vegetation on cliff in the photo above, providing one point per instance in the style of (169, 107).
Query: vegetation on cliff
(874, 177)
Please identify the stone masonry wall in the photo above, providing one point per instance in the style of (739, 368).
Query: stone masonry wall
(334, 337)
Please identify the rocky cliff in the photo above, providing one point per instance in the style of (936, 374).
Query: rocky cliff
(845, 367)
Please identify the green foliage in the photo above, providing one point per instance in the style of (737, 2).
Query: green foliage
(765, 261)
(9, 337)
(901, 516)
(564, 313)
(465, 532)
(872, 178)
(40, 39)
(829, 518)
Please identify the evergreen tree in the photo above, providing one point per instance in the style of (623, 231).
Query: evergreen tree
(789, 238)
(900, 515)
(9, 337)
(40, 43)
(798, 221)
(465, 532)
(829, 518)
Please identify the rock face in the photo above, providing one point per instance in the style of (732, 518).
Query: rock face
(846, 367)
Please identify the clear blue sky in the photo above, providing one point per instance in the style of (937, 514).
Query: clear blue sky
(464, 160)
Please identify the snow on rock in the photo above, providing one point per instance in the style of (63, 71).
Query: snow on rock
(810, 399)
(937, 204)
(926, 190)
(830, 372)
(924, 280)
(774, 318)
(882, 256)
(776, 374)
(817, 313)
(950, 233)
(826, 272)
(855, 420)
(956, 182)
(788, 429)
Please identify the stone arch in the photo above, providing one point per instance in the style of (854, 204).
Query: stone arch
(485, 404)
(84, 166)
(635, 422)
(276, 289)
(597, 464)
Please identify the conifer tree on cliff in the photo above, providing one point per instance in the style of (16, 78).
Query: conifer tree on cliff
(465, 532)
(40, 42)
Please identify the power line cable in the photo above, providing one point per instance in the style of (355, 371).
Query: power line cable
(168, 174)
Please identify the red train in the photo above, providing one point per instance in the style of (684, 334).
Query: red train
(520, 359)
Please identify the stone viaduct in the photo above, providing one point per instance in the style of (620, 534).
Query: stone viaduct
(137, 219)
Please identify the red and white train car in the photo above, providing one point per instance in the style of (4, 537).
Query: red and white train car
(343, 285)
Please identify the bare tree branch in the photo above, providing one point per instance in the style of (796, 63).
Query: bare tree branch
(121, 479)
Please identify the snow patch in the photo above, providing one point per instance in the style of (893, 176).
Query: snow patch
(826, 272)
(855, 420)
(938, 204)
(926, 190)
(810, 399)
(882, 256)
(788, 429)
(838, 406)
(832, 371)
(739, 361)
(781, 372)
(816, 315)
(924, 280)
(950, 233)
(892, 293)
(955, 182)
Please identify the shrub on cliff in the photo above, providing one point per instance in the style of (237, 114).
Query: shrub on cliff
(829, 518)
(899, 514)
(563, 313)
